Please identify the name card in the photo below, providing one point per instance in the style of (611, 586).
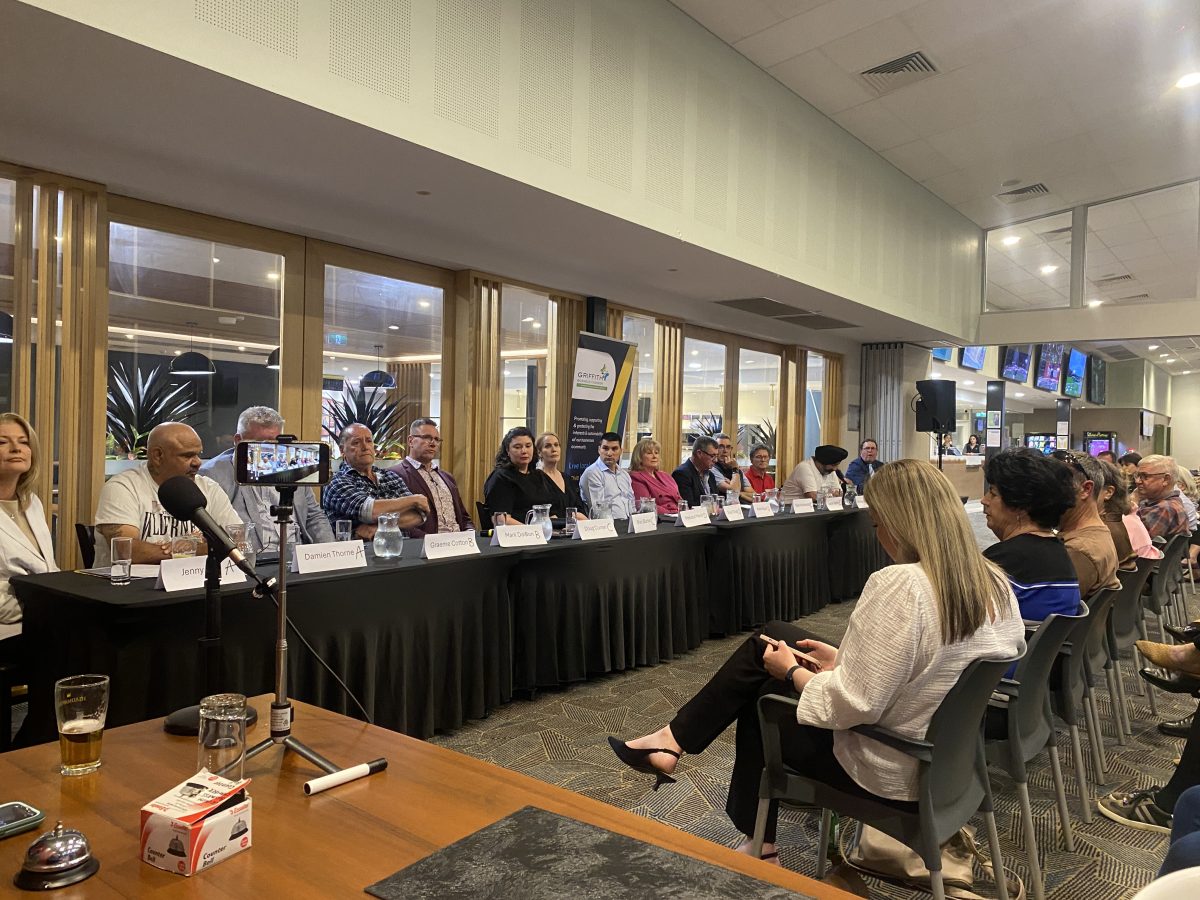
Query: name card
(594, 529)
(690, 518)
(329, 557)
(973, 462)
(803, 505)
(451, 543)
(732, 513)
(860, 502)
(761, 511)
(518, 536)
(188, 573)
(640, 523)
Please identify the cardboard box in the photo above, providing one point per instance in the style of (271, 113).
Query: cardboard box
(196, 824)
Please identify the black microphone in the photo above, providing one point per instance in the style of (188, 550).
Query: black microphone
(182, 499)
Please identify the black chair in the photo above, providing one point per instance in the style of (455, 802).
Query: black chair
(1127, 623)
(13, 679)
(86, 535)
(485, 518)
(952, 781)
(1166, 583)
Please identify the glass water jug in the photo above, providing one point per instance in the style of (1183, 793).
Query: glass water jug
(389, 539)
(540, 515)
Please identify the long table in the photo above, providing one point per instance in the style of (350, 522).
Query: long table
(428, 644)
(329, 845)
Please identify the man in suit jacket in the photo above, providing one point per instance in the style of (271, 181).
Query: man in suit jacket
(421, 473)
(696, 476)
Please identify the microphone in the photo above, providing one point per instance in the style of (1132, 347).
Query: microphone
(182, 499)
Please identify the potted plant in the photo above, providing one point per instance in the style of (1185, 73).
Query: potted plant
(137, 404)
(370, 408)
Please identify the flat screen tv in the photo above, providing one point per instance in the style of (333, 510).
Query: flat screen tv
(1049, 367)
(1076, 373)
(972, 357)
(1097, 381)
(942, 353)
(1015, 363)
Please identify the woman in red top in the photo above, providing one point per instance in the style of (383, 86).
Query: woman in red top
(757, 477)
(650, 481)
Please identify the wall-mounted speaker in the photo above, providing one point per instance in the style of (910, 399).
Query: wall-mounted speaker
(935, 408)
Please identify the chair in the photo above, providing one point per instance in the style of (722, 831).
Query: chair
(952, 782)
(485, 519)
(12, 684)
(1069, 691)
(1126, 623)
(1096, 658)
(1160, 599)
(86, 535)
(1029, 724)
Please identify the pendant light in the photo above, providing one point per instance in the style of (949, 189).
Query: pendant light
(379, 378)
(192, 362)
(273, 359)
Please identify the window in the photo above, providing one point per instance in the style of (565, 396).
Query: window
(813, 393)
(524, 353)
(382, 346)
(703, 391)
(758, 402)
(1029, 265)
(171, 295)
(639, 330)
(8, 252)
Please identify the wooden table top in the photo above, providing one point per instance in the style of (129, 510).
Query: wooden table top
(330, 845)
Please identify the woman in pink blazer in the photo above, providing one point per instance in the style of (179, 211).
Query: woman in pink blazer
(649, 480)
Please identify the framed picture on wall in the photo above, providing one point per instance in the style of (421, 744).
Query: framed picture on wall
(853, 418)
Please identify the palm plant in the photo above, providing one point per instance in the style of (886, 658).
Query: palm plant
(369, 408)
(765, 434)
(137, 404)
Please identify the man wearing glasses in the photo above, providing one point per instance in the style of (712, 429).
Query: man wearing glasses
(696, 476)
(424, 478)
(1160, 509)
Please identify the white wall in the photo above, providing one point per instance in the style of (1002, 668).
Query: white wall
(1185, 419)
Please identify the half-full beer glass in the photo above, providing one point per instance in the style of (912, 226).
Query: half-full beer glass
(81, 704)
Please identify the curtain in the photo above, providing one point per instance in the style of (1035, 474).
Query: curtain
(568, 318)
(882, 397)
(616, 324)
(833, 407)
(411, 393)
(668, 389)
(789, 437)
(482, 389)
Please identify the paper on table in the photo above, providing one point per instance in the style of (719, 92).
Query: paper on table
(137, 570)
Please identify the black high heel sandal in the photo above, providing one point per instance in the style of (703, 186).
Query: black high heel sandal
(639, 760)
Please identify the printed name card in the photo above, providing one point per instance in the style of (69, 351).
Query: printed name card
(690, 518)
(518, 536)
(640, 523)
(803, 505)
(761, 511)
(973, 462)
(732, 513)
(329, 557)
(860, 502)
(595, 529)
(452, 543)
(188, 573)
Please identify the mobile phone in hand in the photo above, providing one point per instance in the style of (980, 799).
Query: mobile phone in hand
(799, 654)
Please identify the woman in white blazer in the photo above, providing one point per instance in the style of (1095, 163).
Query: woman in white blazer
(25, 546)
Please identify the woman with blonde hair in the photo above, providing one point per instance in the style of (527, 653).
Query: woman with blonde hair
(564, 488)
(916, 627)
(651, 481)
(25, 545)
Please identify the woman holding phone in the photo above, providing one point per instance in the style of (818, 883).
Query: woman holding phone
(916, 627)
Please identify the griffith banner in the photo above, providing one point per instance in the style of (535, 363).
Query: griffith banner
(600, 385)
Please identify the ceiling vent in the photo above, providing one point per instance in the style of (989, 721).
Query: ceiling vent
(1058, 234)
(1133, 298)
(762, 306)
(817, 323)
(1119, 353)
(1111, 280)
(1020, 195)
(891, 76)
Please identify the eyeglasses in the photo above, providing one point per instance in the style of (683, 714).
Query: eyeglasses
(433, 439)
(1071, 459)
(708, 454)
(1142, 476)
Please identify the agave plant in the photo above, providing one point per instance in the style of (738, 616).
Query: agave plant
(138, 404)
(707, 425)
(370, 408)
(765, 434)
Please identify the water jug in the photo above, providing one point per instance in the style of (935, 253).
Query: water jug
(389, 539)
(540, 515)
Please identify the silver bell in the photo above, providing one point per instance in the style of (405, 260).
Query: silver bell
(56, 859)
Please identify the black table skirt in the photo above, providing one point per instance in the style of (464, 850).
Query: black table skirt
(854, 553)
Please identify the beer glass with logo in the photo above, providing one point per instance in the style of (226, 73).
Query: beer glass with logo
(80, 703)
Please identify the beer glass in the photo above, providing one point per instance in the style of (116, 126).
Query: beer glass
(80, 704)
(122, 560)
(183, 547)
(222, 736)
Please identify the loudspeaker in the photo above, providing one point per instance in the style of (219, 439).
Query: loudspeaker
(935, 409)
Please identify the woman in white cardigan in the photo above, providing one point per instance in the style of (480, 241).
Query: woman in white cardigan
(915, 627)
(25, 545)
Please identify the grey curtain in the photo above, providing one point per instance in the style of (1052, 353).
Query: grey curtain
(882, 397)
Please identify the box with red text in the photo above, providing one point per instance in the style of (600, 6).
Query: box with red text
(196, 824)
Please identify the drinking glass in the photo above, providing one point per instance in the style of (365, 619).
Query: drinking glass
(121, 551)
(222, 736)
(647, 504)
(183, 547)
(731, 498)
(499, 519)
(80, 705)
(569, 521)
(683, 506)
(343, 529)
(240, 535)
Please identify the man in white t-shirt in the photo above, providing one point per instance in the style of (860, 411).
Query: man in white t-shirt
(129, 504)
(819, 471)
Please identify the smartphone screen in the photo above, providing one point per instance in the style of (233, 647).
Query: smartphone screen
(272, 464)
(11, 813)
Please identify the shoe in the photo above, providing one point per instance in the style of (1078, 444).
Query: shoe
(1136, 810)
(639, 760)
(1160, 655)
(1188, 634)
(1179, 728)
(1174, 683)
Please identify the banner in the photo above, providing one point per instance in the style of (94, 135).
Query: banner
(600, 385)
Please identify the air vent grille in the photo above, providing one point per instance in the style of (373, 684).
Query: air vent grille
(1020, 195)
(1057, 234)
(1119, 354)
(897, 73)
(1133, 298)
(763, 306)
(1110, 280)
(817, 323)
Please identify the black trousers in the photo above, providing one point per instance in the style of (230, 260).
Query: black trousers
(732, 696)
(1187, 773)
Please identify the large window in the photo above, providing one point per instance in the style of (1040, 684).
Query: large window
(814, 392)
(639, 330)
(382, 350)
(524, 354)
(758, 401)
(195, 320)
(1028, 266)
(8, 204)
(703, 391)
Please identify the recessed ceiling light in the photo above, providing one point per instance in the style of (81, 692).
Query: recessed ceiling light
(694, 366)
(527, 319)
(424, 193)
(1152, 347)
(1011, 240)
(1190, 80)
(968, 383)
(937, 374)
(506, 373)
(695, 353)
(179, 353)
(645, 354)
(1019, 394)
(273, 276)
(329, 355)
(345, 368)
(1048, 270)
(535, 324)
(1094, 303)
(1171, 360)
(749, 362)
(393, 327)
(424, 304)
(241, 348)
(1163, 355)
(672, 270)
(216, 259)
(130, 336)
(1186, 372)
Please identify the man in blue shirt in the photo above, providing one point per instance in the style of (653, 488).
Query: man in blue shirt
(604, 484)
(865, 464)
(362, 493)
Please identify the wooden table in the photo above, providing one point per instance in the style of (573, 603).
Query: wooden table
(330, 845)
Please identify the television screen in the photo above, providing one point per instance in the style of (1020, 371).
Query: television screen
(1049, 367)
(1043, 443)
(1015, 363)
(972, 357)
(1076, 371)
(1097, 387)
(942, 353)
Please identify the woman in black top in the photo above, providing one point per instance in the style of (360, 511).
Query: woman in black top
(972, 448)
(516, 486)
(564, 488)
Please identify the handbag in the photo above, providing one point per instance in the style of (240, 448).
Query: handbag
(882, 856)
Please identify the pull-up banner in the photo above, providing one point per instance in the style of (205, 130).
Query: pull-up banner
(600, 386)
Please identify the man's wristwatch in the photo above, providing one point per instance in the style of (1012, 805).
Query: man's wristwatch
(790, 673)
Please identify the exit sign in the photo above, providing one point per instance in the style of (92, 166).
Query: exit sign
(337, 340)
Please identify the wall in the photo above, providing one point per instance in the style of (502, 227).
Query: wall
(1185, 419)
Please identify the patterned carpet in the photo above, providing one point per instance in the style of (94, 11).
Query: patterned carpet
(560, 738)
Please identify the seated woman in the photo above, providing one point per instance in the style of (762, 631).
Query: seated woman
(1026, 498)
(917, 625)
(758, 479)
(516, 486)
(1114, 507)
(563, 488)
(25, 546)
(651, 481)
(973, 447)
